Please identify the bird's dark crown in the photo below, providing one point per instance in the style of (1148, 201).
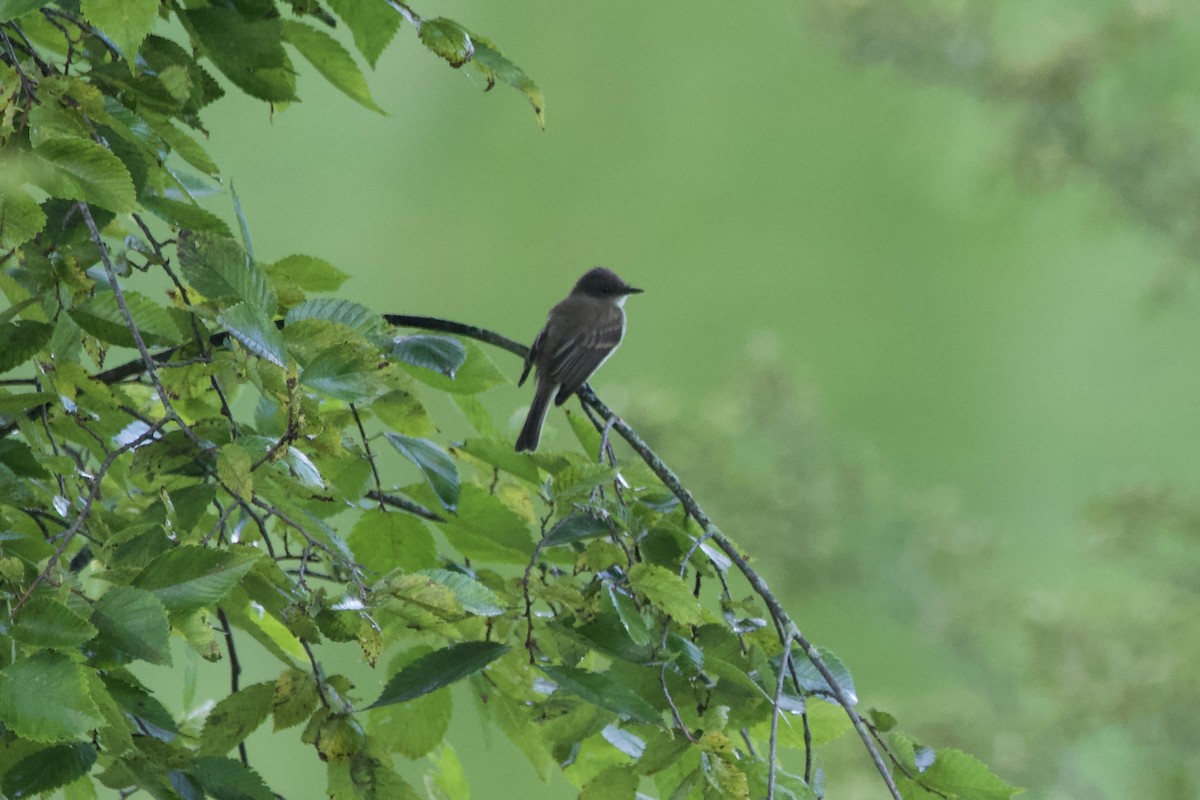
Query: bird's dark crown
(602, 282)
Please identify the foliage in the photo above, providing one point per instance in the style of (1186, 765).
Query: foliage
(233, 482)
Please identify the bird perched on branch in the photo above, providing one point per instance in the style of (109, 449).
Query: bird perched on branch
(580, 334)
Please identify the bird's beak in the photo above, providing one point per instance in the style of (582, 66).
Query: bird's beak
(631, 290)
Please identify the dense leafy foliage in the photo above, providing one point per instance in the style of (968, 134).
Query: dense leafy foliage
(261, 464)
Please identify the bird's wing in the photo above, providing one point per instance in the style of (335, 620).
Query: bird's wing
(532, 355)
(573, 360)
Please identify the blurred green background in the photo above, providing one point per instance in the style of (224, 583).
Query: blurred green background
(919, 325)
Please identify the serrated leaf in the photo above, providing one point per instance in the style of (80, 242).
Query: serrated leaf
(80, 169)
(126, 22)
(255, 331)
(437, 467)
(613, 783)
(21, 218)
(811, 678)
(499, 453)
(190, 576)
(220, 269)
(667, 592)
(484, 528)
(233, 469)
(101, 317)
(354, 316)
(20, 340)
(343, 373)
(402, 412)
(440, 668)
(442, 354)
(331, 60)
(247, 51)
(132, 623)
(477, 374)
(373, 23)
(385, 540)
(235, 717)
(412, 728)
(959, 774)
(308, 272)
(448, 39)
(48, 768)
(185, 214)
(11, 9)
(19, 403)
(228, 779)
(576, 528)
(44, 698)
(294, 698)
(45, 622)
(473, 596)
(603, 690)
(495, 67)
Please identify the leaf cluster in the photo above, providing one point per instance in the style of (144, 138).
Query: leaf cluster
(262, 464)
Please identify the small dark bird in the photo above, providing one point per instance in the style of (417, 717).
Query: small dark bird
(581, 333)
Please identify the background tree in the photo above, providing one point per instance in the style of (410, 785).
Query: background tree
(226, 485)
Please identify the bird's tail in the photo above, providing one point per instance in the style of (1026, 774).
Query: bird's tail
(531, 432)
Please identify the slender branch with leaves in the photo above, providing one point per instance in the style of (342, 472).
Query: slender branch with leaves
(261, 465)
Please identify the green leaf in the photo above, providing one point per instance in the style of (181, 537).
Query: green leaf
(236, 717)
(484, 528)
(385, 540)
(354, 316)
(402, 412)
(415, 727)
(667, 592)
(613, 783)
(448, 39)
(442, 354)
(959, 774)
(101, 317)
(438, 669)
(80, 169)
(448, 781)
(331, 60)
(19, 457)
(45, 622)
(373, 23)
(227, 779)
(308, 272)
(20, 340)
(294, 698)
(633, 621)
(219, 268)
(190, 576)
(602, 690)
(48, 768)
(21, 218)
(44, 698)
(233, 468)
(499, 453)
(577, 527)
(19, 403)
(473, 596)
(185, 214)
(126, 22)
(437, 467)
(476, 374)
(11, 9)
(344, 373)
(495, 67)
(248, 51)
(255, 331)
(133, 625)
(811, 678)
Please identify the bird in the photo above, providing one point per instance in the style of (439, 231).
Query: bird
(580, 334)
